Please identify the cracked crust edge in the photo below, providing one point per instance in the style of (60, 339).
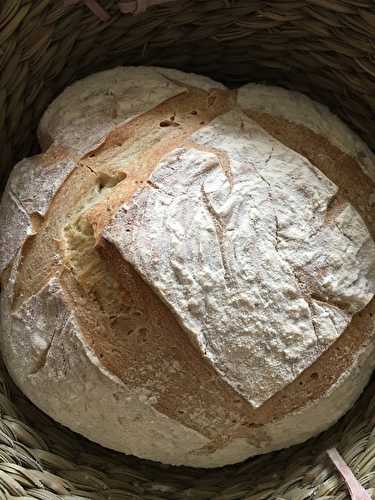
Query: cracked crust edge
(42, 174)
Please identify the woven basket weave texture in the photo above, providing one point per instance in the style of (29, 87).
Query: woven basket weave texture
(325, 48)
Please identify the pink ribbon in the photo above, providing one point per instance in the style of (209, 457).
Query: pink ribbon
(94, 6)
(356, 490)
(134, 7)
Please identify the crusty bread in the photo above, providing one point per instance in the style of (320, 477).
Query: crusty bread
(188, 272)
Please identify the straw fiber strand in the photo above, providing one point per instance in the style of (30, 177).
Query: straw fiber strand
(325, 48)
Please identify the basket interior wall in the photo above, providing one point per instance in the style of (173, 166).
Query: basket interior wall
(322, 47)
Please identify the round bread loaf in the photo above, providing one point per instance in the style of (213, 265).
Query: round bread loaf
(188, 271)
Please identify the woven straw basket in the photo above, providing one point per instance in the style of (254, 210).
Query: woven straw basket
(325, 48)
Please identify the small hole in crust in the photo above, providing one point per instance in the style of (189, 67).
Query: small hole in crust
(168, 123)
(165, 123)
(110, 181)
(314, 376)
(194, 112)
(300, 383)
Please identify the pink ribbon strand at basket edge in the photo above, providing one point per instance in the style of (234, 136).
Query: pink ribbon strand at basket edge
(356, 490)
(133, 7)
(94, 6)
